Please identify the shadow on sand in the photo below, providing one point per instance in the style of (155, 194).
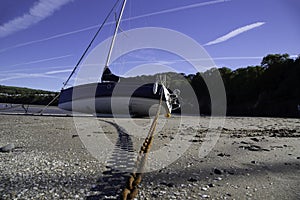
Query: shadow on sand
(119, 166)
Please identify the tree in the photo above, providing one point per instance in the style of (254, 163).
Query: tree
(274, 59)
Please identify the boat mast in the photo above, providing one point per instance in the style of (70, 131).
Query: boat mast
(90, 44)
(114, 36)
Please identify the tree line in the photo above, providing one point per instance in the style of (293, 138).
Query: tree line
(20, 95)
(270, 89)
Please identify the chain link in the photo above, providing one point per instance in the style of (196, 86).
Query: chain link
(135, 178)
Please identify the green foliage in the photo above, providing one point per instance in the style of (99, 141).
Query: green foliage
(270, 89)
(274, 59)
(19, 95)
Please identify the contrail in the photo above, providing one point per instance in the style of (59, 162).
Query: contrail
(127, 19)
(39, 61)
(18, 76)
(177, 9)
(234, 33)
(59, 71)
(11, 76)
(41, 10)
(48, 38)
(238, 58)
(49, 73)
(150, 61)
(29, 69)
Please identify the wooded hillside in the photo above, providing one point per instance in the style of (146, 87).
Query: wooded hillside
(19, 95)
(269, 89)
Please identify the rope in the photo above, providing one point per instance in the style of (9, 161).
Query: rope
(86, 50)
(83, 55)
(41, 111)
(26, 109)
(131, 189)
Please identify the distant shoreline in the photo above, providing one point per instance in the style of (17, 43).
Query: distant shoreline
(8, 108)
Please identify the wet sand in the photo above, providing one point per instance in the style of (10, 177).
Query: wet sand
(254, 158)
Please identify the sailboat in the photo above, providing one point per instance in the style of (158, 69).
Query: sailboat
(113, 94)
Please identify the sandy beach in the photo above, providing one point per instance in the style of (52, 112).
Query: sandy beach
(252, 158)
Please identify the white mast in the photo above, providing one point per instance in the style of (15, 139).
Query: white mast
(114, 36)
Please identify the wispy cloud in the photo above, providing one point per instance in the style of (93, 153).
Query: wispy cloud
(10, 75)
(239, 58)
(235, 33)
(173, 61)
(177, 9)
(48, 38)
(127, 19)
(16, 73)
(39, 61)
(26, 75)
(59, 71)
(39, 11)
(48, 74)
(29, 69)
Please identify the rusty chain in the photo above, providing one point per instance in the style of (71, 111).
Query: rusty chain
(135, 178)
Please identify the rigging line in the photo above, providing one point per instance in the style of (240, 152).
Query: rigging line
(72, 73)
(41, 111)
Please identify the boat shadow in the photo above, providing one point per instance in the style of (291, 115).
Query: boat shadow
(120, 164)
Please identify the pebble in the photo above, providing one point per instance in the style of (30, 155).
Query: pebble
(192, 179)
(255, 139)
(223, 155)
(162, 192)
(205, 196)
(218, 171)
(248, 194)
(43, 175)
(65, 177)
(170, 184)
(7, 148)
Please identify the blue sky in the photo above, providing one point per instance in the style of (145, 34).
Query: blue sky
(41, 40)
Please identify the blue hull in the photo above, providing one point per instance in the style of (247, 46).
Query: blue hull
(110, 97)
